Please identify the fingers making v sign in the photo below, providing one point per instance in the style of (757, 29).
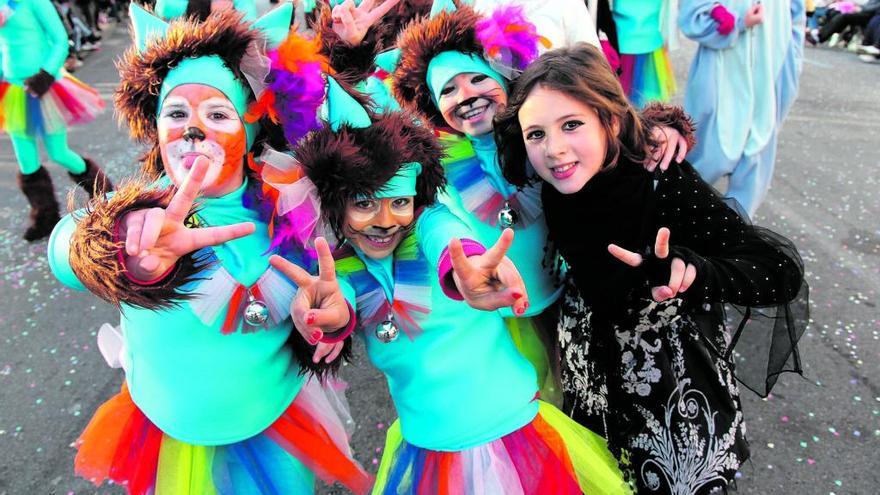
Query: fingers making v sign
(155, 238)
(351, 22)
(319, 310)
(489, 281)
(681, 274)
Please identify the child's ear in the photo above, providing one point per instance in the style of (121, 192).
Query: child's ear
(615, 126)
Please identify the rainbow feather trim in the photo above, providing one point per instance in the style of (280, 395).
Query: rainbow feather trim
(294, 87)
(508, 38)
(478, 196)
(412, 288)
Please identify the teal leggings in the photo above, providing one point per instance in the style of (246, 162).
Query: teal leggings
(56, 146)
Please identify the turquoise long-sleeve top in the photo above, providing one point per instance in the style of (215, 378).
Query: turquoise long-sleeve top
(173, 9)
(741, 85)
(638, 25)
(33, 38)
(529, 242)
(461, 382)
(196, 384)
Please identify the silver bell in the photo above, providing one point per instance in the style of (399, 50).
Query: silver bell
(507, 216)
(256, 313)
(387, 331)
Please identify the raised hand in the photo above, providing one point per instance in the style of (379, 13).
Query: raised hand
(489, 281)
(155, 238)
(351, 22)
(319, 306)
(681, 275)
(670, 144)
(754, 15)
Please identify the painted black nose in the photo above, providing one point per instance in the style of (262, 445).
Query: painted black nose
(193, 134)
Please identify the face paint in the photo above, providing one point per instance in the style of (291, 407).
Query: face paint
(469, 102)
(206, 111)
(376, 226)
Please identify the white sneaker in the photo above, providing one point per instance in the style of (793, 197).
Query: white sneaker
(869, 59)
(869, 50)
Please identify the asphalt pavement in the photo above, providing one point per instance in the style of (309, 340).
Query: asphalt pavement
(815, 435)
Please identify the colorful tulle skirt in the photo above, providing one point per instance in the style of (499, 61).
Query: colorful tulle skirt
(121, 445)
(535, 339)
(550, 455)
(68, 102)
(647, 77)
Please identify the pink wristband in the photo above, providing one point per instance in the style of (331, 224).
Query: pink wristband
(121, 258)
(471, 248)
(726, 21)
(342, 333)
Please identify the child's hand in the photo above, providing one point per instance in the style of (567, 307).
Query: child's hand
(668, 141)
(351, 22)
(156, 238)
(755, 15)
(319, 305)
(329, 352)
(681, 277)
(489, 281)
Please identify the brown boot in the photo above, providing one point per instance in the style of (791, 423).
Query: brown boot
(93, 180)
(37, 188)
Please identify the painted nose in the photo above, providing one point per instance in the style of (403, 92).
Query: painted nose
(193, 134)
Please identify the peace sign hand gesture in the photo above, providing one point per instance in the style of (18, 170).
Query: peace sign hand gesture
(155, 238)
(489, 281)
(351, 22)
(681, 275)
(319, 306)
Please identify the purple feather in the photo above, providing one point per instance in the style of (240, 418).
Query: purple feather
(508, 37)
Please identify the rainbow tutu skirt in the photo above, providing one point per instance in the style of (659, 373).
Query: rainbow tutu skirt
(647, 77)
(68, 102)
(121, 445)
(550, 455)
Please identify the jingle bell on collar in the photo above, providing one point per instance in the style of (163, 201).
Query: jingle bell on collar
(387, 331)
(507, 216)
(256, 313)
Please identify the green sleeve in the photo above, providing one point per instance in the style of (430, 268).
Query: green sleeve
(59, 253)
(436, 227)
(48, 18)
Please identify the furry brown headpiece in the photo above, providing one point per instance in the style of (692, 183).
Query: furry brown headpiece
(142, 72)
(419, 44)
(354, 162)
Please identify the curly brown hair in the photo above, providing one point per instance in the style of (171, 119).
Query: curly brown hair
(581, 72)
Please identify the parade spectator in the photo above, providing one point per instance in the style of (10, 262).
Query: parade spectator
(849, 16)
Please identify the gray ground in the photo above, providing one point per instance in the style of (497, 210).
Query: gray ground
(817, 435)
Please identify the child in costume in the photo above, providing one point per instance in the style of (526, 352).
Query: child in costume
(422, 292)
(742, 83)
(646, 73)
(647, 358)
(38, 101)
(214, 401)
(455, 69)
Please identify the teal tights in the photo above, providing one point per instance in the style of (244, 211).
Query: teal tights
(56, 146)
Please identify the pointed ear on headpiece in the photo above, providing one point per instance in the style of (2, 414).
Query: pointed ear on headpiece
(442, 6)
(340, 108)
(145, 25)
(275, 24)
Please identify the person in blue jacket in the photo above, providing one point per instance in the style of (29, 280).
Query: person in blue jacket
(743, 80)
